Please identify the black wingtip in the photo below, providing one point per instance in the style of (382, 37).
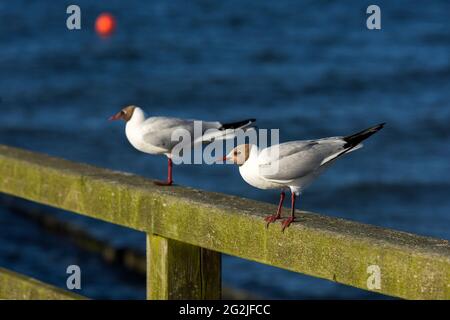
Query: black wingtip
(236, 125)
(355, 139)
(380, 126)
(376, 128)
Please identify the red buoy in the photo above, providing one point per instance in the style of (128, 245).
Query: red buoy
(105, 24)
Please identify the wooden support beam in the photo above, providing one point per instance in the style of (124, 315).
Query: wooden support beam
(177, 270)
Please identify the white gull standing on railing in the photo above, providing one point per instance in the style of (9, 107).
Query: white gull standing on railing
(292, 165)
(154, 134)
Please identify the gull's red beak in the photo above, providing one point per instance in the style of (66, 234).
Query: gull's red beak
(117, 116)
(224, 159)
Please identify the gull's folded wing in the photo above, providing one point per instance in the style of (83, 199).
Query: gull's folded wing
(297, 159)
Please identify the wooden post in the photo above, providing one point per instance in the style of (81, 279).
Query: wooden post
(177, 270)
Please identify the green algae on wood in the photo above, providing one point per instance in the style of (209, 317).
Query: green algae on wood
(411, 266)
(19, 287)
(177, 270)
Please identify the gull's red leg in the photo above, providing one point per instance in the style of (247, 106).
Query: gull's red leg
(273, 218)
(289, 220)
(169, 171)
(169, 181)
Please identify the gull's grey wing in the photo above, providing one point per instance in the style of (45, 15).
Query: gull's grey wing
(158, 131)
(162, 123)
(298, 158)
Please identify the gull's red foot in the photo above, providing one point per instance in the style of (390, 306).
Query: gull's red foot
(163, 183)
(287, 222)
(271, 218)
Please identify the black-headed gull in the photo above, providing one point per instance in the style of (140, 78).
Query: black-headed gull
(292, 165)
(154, 134)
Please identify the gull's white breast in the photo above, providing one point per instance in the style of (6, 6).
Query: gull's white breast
(250, 173)
(135, 136)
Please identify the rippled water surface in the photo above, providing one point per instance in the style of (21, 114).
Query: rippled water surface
(310, 68)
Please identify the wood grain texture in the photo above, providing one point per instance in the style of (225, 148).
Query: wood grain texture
(411, 266)
(20, 287)
(177, 270)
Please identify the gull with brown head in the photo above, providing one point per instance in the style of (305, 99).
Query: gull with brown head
(153, 135)
(292, 165)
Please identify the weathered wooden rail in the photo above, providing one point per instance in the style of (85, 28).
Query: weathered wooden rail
(187, 230)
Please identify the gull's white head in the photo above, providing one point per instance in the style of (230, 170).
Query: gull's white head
(239, 154)
(125, 114)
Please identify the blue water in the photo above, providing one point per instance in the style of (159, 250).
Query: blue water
(310, 68)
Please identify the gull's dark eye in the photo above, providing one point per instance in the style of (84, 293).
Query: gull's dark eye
(123, 112)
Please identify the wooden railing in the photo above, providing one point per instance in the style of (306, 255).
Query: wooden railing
(187, 230)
